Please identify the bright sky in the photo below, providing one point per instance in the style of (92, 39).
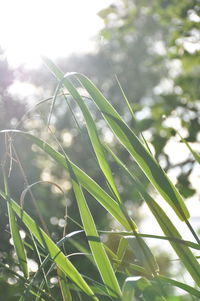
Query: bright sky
(29, 28)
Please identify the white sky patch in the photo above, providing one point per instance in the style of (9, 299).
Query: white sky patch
(29, 29)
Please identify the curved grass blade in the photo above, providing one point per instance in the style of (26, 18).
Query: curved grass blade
(128, 289)
(63, 286)
(143, 254)
(92, 131)
(185, 287)
(126, 136)
(188, 243)
(141, 155)
(17, 240)
(47, 259)
(197, 157)
(183, 252)
(131, 111)
(189, 289)
(121, 250)
(25, 282)
(98, 251)
(149, 290)
(89, 184)
(55, 253)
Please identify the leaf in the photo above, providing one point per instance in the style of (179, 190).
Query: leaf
(92, 131)
(197, 157)
(143, 254)
(131, 111)
(128, 289)
(55, 253)
(183, 252)
(98, 251)
(121, 250)
(15, 234)
(188, 243)
(141, 155)
(181, 285)
(90, 185)
(126, 136)
(64, 287)
(135, 285)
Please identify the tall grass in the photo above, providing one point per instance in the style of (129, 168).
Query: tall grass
(149, 283)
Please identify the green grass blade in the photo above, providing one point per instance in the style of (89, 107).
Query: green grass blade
(189, 289)
(183, 252)
(131, 111)
(17, 240)
(25, 282)
(98, 251)
(141, 155)
(197, 157)
(125, 98)
(121, 250)
(185, 287)
(89, 184)
(55, 253)
(63, 286)
(128, 290)
(92, 131)
(143, 254)
(188, 243)
(18, 244)
(126, 136)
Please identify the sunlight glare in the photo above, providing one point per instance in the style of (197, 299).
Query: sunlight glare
(29, 29)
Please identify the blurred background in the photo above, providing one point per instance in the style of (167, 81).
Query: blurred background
(152, 48)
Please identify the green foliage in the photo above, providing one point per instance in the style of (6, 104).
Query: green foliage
(114, 266)
(148, 45)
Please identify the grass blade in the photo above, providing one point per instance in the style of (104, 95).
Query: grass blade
(143, 254)
(98, 251)
(141, 155)
(92, 131)
(189, 289)
(121, 250)
(188, 243)
(90, 185)
(55, 253)
(131, 111)
(63, 286)
(183, 252)
(128, 289)
(197, 157)
(17, 240)
(126, 136)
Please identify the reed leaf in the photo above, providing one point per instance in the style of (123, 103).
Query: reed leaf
(98, 251)
(181, 249)
(89, 184)
(15, 234)
(51, 248)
